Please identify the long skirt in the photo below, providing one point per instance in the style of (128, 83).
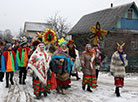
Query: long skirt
(40, 88)
(119, 82)
(89, 80)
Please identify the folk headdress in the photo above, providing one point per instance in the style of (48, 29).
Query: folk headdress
(97, 33)
(49, 36)
(119, 46)
(23, 40)
(38, 35)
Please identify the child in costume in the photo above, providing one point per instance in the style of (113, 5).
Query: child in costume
(22, 59)
(39, 64)
(88, 68)
(117, 68)
(9, 63)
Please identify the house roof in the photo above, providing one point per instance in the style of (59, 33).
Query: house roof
(36, 26)
(107, 18)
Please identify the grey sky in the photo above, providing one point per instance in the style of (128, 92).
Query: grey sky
(13, 13)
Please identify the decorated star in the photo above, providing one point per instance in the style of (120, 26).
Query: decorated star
(97, 33)
(62, 41)
(49, 36)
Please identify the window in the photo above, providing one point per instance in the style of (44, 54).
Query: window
(130, 13)
(134, 44)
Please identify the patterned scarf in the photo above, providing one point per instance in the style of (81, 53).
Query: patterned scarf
(39, 63)
(121, 54)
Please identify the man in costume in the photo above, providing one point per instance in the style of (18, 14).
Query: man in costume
(88, 68)
(22, 59)
(9, 63)
(117, 68)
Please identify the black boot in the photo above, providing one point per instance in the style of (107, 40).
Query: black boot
(88, 89)
(24, 82)
(117, 92)
(7, 84)
(45, 94)
(38, 97)
(83, 87)
(12, 82)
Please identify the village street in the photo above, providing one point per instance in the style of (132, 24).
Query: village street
(103, 93)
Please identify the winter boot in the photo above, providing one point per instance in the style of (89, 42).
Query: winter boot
(12, 82)
(117, 92)
(38, 97)
(45, 94)
(24, 82)
(83, 87)
(88, 89)
(7, 83)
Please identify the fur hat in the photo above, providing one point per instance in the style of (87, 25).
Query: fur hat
(70, 42)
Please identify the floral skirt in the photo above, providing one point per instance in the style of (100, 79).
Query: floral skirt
(119, 82)
(89, 80)
(40, 88)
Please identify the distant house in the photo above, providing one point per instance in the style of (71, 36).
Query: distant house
(30, 28)
(122, 24)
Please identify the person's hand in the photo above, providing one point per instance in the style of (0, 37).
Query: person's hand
(123, 64)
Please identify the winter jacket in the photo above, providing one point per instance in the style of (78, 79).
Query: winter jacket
(9, 61)
(117, 67)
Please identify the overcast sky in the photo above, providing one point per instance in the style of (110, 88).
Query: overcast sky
(13, 13)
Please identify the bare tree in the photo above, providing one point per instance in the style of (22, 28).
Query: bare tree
(59, 24)
(1, 35)
(8, 35)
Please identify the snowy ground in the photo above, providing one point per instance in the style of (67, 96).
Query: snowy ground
(104, 93)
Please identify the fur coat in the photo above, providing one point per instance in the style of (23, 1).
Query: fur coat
(117, 66)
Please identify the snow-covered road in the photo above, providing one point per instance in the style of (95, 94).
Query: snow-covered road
(104, 93)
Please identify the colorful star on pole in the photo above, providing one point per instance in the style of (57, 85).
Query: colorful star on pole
(62, 41)
(97, 33)
(49, 36)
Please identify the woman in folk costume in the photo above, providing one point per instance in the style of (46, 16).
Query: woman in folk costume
(72, 52)
(22, 59)
(9, 63)
(39, 64)
(88, 68)
(117, 68)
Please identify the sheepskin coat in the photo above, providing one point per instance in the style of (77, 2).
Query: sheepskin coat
(117, 66)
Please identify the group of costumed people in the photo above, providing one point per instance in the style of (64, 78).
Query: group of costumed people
(52, 62)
